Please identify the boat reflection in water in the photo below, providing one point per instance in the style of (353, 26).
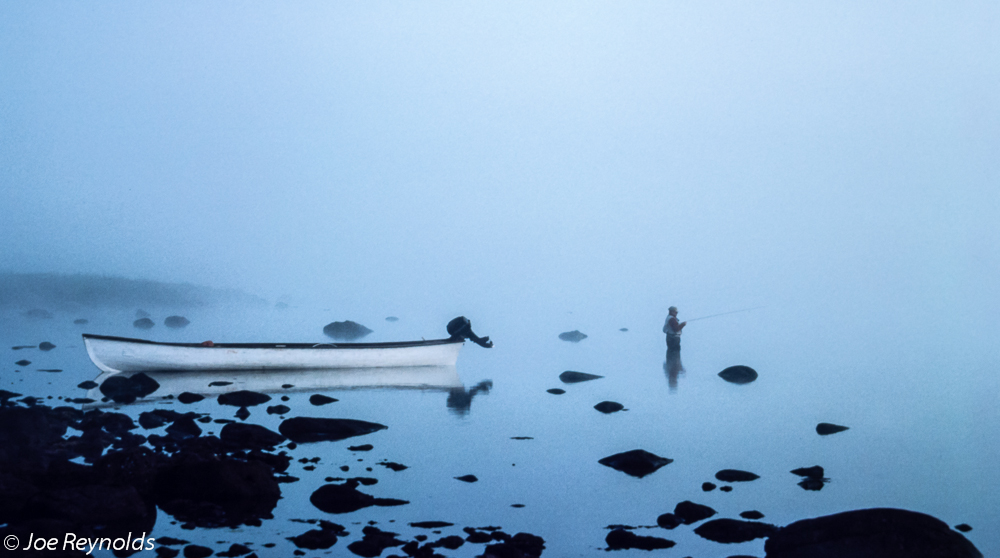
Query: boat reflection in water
(211, 383)
(674, 368)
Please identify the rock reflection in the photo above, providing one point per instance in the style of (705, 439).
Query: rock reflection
(460, 399)
(673, 368)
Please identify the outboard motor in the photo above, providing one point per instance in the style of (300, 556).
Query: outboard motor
(461, 328)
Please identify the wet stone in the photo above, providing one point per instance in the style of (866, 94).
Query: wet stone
(362, 447)
(574, 336)
(608, 407)
(23, 362)
(346, 330)
(556, 391)
(393, 466)
(309, 429)
(573, 377)
(708, 486)
(45, 346)
(188, 397)
(669, 521)
(726, 488)
(690, 512)
(122, 389)
(963, 527)
(468, 478)
(431, 524)
(89, 384)
(637, 463)
(234, 550)
(345, 498)
(738, 374)
(734, 530)
(278, 410)
(826, 428)
(735, 475)
(250, 436)
(242, 413)
(243, 398)
(751, 514)
(320, 399)
(620, 539)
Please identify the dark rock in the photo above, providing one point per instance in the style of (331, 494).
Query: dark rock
(825, 428)
(309, 429)
(81, 321)
(243, 398)
(691, 513)
(620, 539)
(708, 486)
(157, 418)
(878, 532)
(219, 383)
(812, 484)
(374, 542)
(187, 397)
(451, 542)
(521, 438)
(184, 427)
(345, 498)
(89, 384)
(431, 524)
(45, 346)
(346, 331)
(735, 475)
(556, 391)
(243, 413)
(394, 466)
(126, 389)
(278, 410)
(521, 545)
(726, 488)
(197, 551)
(608, 407)
(176, 322)
(166, 551)
(362, 447)
(751, 514)
(214, 493)
(250, 436)
(637, 463)
(392, 319)
(734, 530)
(316, 539)
(668, 521)
(320, 399)
(144, 323)
(235, 549)
(50, 370)
(23, 362)
(572, 336)
(20, 347)
(738, 374)
(963, 527)
(468, 478)
(814, 472)
(571, 377)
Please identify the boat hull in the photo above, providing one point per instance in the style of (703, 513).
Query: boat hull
(120, 354)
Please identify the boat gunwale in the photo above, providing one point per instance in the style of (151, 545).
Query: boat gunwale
(314, 346)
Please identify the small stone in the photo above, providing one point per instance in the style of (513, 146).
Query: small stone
(751, 514)
(362, 447)
(45, 346)
(814, 472)
(243, 413)
(320, 399)
(556, 391)
(467, 478)
(176, 322)
(278, 409)
(735, 475)
(738, 374)
(637, 463)
(572, 377)
(620, 539)
(690, 513)
(708, 486)
(89, 384)
(243, 398)
(346, 330)
(572, 336)
(23, 362)
(826, 428)
(963, 527)
(188, 397)
(608, 407)
(668, 521)
(734, 530)
(726, 488)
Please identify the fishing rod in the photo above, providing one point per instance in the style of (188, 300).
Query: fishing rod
(725, 313)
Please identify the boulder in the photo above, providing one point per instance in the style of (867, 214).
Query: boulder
(735, 531)
(620, 539)
(176, 322)
(309, 429)
(608, 407)
(572, 336)
(45, 346)
(637, 463)
(738, 374)
(243, 398)
(870, 533)
(669, 521)
(126, 389)
(187, 397)
(345, 331)
(735, 475)
(89, 384)
(143, 323)
(826, 428)
(691, 513)
(572, 377)
(250, 436)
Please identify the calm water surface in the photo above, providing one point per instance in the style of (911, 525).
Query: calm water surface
(921, 410)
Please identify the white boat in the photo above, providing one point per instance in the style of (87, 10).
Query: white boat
(123, 354)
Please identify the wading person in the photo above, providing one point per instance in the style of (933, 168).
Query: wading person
(673, 330)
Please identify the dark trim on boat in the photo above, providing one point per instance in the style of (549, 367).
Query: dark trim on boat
(389, 345)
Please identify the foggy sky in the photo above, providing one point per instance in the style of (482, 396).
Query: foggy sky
(711, 154)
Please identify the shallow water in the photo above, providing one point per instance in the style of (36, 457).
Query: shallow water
(922, 418)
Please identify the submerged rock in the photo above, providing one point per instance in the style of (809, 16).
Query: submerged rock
(826, 428)
(346, 330)
(309, 429)
(637, 463)
(623, 329)
(734, 530)
(23, 362)
(467, 478)
(143, 323)
(691, 513)
(45, 346)
(243, 398)
(250, 436)
(620, 539)
(738, 374)
(878, 532)
(608, 407)
(122, 389)
(735, 475)
(320, 399)
(176, 322)
(187, 397)
(572, 377)
(572, 336)
(391, 319)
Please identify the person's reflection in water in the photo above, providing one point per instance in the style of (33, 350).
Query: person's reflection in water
(673, 367)
(460, 399)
